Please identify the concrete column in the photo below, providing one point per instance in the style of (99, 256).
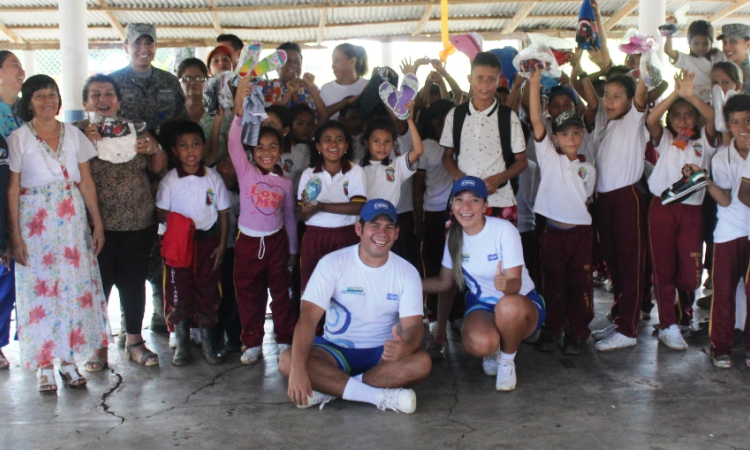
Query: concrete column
(74, 54)
(28, 61)
(386, 51)
(202, 53)
(651, 14)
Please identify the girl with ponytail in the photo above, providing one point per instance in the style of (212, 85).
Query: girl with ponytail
(349, 64)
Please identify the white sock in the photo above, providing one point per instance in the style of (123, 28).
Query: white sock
(358, 377)
(506, 358)
(358, 391)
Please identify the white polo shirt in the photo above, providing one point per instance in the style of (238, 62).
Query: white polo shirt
(200, 197)
(727, 167)
(340, 188)
(585, 151)
(668, 169)
(385, 180)
(498, 241)
(363, 303)
(402, 146)
(565, 186)
(295, 162)
(438, 182)
(481, 153)
(701, 67)
(620, 147)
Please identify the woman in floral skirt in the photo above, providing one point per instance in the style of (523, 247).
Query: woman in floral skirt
(60, 306)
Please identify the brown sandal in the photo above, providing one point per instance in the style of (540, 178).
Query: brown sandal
(71, 376)
(147, 359)
(46, 383)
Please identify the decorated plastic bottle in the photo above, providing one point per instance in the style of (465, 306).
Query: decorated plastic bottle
(312, 190)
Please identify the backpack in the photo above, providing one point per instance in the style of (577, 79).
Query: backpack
(503, 120)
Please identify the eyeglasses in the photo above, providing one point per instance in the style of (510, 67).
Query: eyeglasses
(191, 79)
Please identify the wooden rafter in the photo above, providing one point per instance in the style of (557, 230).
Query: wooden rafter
(11, 36)
(728, 10)
(112, 19)
(322, 26)
(214, 16)
(615, 18)
(428, 10)
(518, 18)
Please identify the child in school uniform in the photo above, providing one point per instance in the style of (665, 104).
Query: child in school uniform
(566, 242)
(619, 206)
(330, 196)
(730, 185)
(701, 58)
(676, 229)
(191, 191)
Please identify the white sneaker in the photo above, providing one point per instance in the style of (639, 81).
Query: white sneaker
(489, 363)
(433, 328)
(506, 376)
(400, 400)
(614, 342)
(723, 362)
(604, 333)
(173, 340)
(317, 398)
(672, 338)
(251, 355)
(195, 335)
(283, 347)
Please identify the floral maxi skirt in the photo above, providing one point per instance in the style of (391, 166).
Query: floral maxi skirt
(61, 308)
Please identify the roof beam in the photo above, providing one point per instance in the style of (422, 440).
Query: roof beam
(619, 15)
(112, 19)
(321, 26)
(727, 10)
(518, 17)
(214, 16)
(428, 10)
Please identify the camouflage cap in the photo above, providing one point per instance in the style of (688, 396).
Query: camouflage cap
(735, 31)
(566, 119)
(136, 30)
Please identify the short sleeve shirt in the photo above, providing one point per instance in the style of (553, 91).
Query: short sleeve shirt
(384, 180)
(701, 67)
(481, 153)
(620, 148)
(438, 182)
(363, 303)
(9, 122)
(727, 168)
(332, 92)
(200, 198)
(124, 193)
(340, 188)
(274, 91)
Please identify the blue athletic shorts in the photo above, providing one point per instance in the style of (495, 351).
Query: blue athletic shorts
(353, 361)
(488, 304)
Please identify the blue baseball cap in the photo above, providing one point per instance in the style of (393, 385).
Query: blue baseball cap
(377, 207)
(473, 184)
(563, 90)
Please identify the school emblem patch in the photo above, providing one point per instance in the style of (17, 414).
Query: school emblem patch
(346, 188)
(288, 165)
(698, 149)
(582, 172)
(390, 174)
(210, 197)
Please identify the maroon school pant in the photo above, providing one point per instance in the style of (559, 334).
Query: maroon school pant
(676, 234)
(621, 222)
(194, 292)
(262, 263)
(566, 279)
(432, 254)
(730, 264)
(320, 241)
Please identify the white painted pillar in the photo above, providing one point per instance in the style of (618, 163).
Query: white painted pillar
(202, 53)
(28, 61)
(651, 14)
(386, 53)
(74, 55)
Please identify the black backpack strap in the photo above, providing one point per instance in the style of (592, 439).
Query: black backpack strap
(459, 115)
(503, 121)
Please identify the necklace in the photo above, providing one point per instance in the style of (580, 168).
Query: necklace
(59, 156)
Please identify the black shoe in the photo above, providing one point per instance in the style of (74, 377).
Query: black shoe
(705, 302)
(547, 342)
(682, 189)
(574, 346)
(599, 279)
(700, 331)
(158, 325)
(182, 352)
(739, 339)
(208, 337)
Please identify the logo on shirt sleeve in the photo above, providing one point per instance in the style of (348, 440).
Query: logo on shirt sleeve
(390, 174)
(210, 197)
(492, 257)
(465, 257)
(393, 297)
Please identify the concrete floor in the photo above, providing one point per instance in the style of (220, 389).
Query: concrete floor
(646, 397)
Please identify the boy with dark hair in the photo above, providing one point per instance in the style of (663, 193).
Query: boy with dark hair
(233, 42)
(484, 138)
(193, 201)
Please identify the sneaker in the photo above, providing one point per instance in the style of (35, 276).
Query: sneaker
(574, 346)
(283, 347)
(739, 339)
(251, 355)
(489, 363)
(680, 190)
(400, 400)
(705, 302)
(615, 341)
(173, 340)
(317, 398)
(709, 284)
(645, 315)
(605, 332)
(547, 342)
(598, 279)
(672, 338)
(436, 349)
(195, 335)
(723, 362)
(506, 377)
(433, 328)
(608, 286)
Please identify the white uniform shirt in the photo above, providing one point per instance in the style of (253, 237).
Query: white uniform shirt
(340, 188)
(498, 241)
(359, 151)
(37, 168)
(668, 169)
(295, 162)
(701, 67)
(438, 182)
(528, 186)
(727, 168)
(481, 153)
(363, 303)
(332, 92)
(402, 146)
(565, 186)
(620, 146)
(384, 181)
(585, 150)
(197, 197)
